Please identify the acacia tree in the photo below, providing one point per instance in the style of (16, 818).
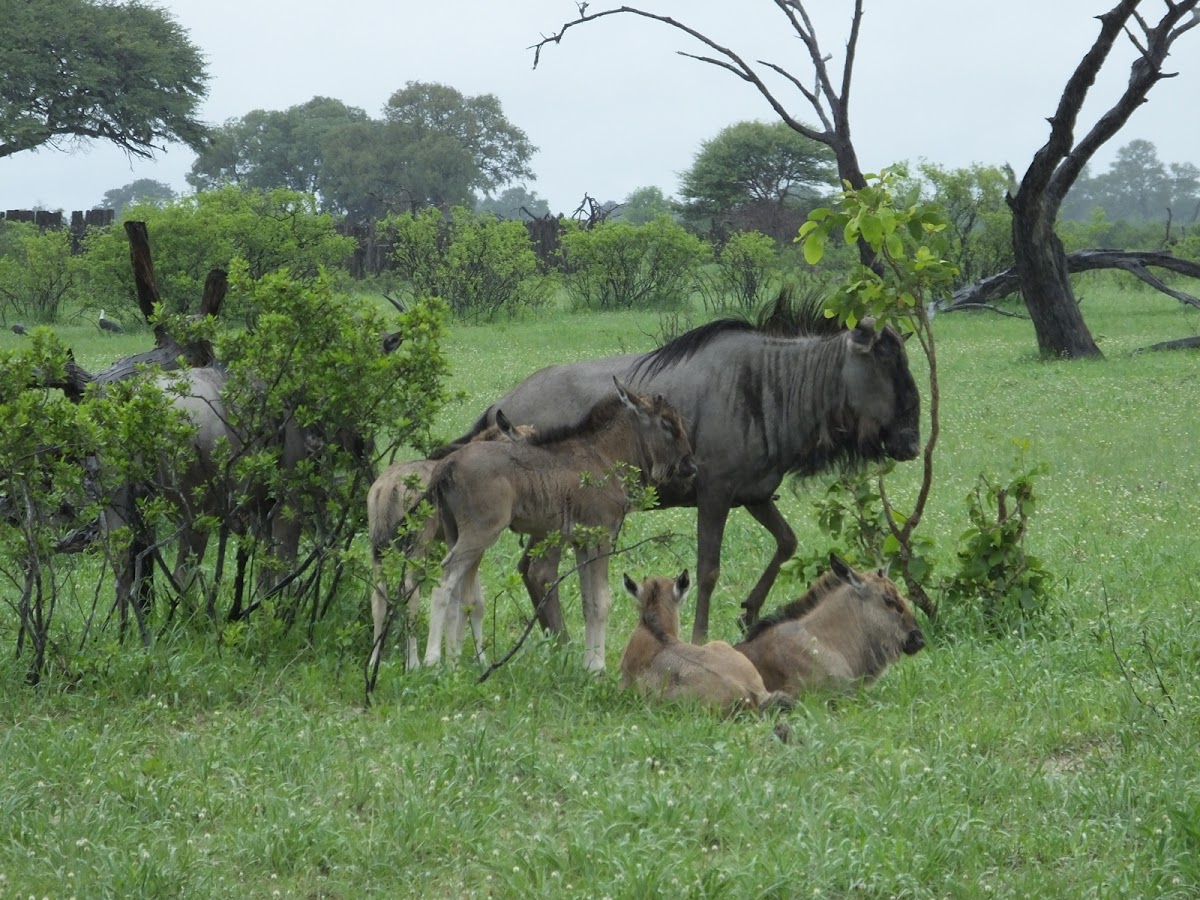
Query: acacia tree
(760, 175)
(73, 70)
(1042, 269)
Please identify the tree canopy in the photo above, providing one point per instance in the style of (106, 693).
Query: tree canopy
(74, 70)
(752, 173)
(433, 146)
(267, 149)
(143, 189)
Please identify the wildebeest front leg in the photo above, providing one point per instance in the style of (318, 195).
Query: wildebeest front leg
(539, 574)
(597, 601)
(711, 515)
(767, 515)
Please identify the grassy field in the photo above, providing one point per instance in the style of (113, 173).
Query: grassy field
(1061, 762)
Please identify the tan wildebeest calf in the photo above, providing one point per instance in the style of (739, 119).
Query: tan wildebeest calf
(657, 661)
(560, 481)
(844, 631)
(388, 501)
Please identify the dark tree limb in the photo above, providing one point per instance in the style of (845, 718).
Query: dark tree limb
(1188, 343)
(1136, 262)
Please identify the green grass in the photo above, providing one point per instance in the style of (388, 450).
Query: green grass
(1044, 766)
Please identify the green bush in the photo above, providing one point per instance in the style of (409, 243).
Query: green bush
(621, 266)
(270, 230)
(745, 273)
(479, 265)
(39, 277)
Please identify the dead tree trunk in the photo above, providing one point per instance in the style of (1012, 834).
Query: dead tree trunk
(1042, 266)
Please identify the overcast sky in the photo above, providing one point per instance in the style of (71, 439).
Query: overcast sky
(614, 107)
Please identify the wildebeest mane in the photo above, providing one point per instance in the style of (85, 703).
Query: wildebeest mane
(798, 608)
(599, 417)
(788, 315)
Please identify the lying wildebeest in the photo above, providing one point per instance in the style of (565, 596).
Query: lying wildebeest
(560, 480)
(844, 631)
(389, 499)
(204, 488)
(758, 406)
(657, 661)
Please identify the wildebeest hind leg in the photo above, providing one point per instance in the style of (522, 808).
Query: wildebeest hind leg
(457, 568)
(474, 596)
(767, 515)
(539, 573)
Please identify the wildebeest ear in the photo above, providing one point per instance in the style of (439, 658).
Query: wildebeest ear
(842, 570)
(622, 393)
(885, 568)
(905, 336)
(504, 425)
(682, 583)
(630, 585)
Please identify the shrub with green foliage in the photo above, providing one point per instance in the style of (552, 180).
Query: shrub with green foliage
(39, 278)
(997, 576)
(480, 265)
(621, 266)
(270, 230)
(745, 273)
(50, 481)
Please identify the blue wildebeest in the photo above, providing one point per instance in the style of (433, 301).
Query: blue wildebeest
(538, 487)
(846, 630)
(388, 501)
(658, 662)
(797, 394)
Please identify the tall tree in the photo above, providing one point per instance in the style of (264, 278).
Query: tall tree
(144, 189)
(77, 70)
(501, 151)
(516, 202)
(1041, 261)
(1136, 186)
(267, 149)
(760, 176)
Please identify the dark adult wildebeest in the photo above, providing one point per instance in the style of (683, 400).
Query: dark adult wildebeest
(846, 630)
(561, 480)
(759, 403)
(388, 501)
(658, 662)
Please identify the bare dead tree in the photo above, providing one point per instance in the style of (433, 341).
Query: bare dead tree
(1042, 267)
(828, 97)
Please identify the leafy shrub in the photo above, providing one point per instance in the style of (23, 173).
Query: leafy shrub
(617, 265)
(996, 574)
(745, 273)
(479, 265)
(38, 275)
(270, 230)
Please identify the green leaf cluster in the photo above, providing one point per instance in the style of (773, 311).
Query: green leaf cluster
(909, 242)
(617, 265)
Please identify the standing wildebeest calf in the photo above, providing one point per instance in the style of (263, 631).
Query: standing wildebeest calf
(758, 406)
(656, 660)
(844, 631)
(560, 480)
(388, 501)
